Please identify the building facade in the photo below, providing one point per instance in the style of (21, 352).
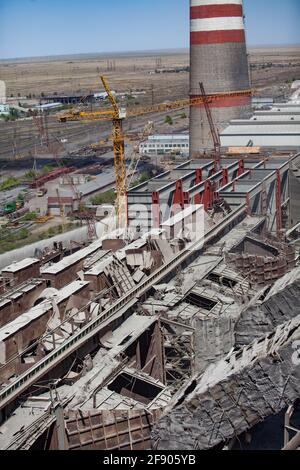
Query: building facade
(166, 144)
(4, 109)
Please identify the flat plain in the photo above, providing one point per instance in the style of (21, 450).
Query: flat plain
(272, 70)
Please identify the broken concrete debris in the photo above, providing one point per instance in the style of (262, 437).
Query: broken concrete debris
(234, 394)
(149, 342)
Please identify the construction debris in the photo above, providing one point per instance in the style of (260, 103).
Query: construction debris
(269, 308)
(127, 332)
(234, 394)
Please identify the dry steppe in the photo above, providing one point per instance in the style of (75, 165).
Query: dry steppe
(272, 69)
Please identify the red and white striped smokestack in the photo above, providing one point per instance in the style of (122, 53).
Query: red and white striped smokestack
(219, 60)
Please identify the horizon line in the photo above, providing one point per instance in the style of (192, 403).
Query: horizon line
(138, 51)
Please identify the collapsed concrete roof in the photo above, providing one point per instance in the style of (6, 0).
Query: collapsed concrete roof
(234, 394)
(270, 308)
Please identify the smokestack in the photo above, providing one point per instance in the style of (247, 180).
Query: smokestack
(218, 57)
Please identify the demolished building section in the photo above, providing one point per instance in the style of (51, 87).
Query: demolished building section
(271, 306)
(208, 297)
(262, 261)
(106, 393)
(123, 327)
(234, 394)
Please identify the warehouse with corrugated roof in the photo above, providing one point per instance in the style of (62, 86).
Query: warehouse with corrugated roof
(277, 128)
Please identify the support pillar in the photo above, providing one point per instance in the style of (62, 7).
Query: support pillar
(60, 428)
(155, 210)
(207, 196)
(199, 176)
(186, 199)
(178, 195)
(248, 204)
(199, 179)
(278, 203)
(241, 169)
(225, 177)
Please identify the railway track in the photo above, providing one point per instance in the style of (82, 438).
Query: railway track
(21, 138)
(28, 378)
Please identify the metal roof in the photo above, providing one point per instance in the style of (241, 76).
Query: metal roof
(169, 137)
(18, 266)
(277, 117)
(253, 128)
(35, 312)
(164, 142)
(263, 140)
(99, 267)
(187, 212)
(101, 181)
(68, 261)
(287, 104)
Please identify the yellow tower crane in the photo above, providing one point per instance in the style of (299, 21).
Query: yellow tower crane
(117, 115)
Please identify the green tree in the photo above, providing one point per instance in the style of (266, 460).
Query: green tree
(51, 232)
(30, 175)
(47, 168)
(9, 183)
(104, 198)
(169, 120)
(30, 216)
(145, 176)
(23, 233)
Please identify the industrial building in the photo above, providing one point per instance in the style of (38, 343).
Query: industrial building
(254, 182)
(62, 192)
(166, 144)
(176, 330)
(262, 103)
(275, 128)
(76, 98)
(4, 109)
(97, 320)
(48, 106)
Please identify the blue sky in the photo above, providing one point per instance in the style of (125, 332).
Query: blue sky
(49, 27)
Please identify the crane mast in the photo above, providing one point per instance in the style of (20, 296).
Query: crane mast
(213, 130)
(119, 154)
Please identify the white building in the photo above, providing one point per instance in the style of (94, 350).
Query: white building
(48, 106)
(163, 144)
(4, 109)
(260, 103)
(103, 95)
(276, 128)
(295, 85)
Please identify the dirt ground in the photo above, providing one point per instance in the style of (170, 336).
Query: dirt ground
(81, 74)
(271, 72)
